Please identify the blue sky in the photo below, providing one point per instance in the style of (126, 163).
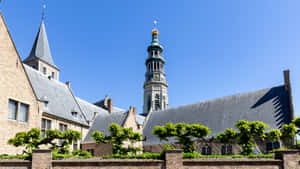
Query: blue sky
(212, 48)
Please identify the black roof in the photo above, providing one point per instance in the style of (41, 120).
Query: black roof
(271, 106)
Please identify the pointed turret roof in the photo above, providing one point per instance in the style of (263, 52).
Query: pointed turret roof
(40, 49)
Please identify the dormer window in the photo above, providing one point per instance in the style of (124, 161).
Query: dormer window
(46, 104)
(74, 114)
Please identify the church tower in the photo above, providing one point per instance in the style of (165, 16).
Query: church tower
(155, 86)
(40, 57)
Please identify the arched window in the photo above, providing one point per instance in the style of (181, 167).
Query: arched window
(157, 104)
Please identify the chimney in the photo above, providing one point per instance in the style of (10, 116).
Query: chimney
(132, 110)
(287, 83)
(68, 83)
(109, 105)
(105, 101)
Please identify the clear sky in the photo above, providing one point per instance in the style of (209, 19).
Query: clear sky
(213, 48)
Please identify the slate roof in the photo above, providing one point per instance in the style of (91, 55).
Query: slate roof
(40, 49)
(60, 99)
(89, 109)
(271, 106)
(103, 121)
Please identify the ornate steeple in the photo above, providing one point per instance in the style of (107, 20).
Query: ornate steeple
(40, 57)
(155, 86)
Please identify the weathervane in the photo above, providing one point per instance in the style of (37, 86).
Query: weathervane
(155, 23)
(43, 11)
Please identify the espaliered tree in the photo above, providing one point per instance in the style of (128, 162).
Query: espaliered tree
(247, 132)
(117, 137)
(185, 134)
(227, 137)
(32, 139)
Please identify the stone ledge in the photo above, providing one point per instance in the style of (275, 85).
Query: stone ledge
(41, 151)
(174, 151)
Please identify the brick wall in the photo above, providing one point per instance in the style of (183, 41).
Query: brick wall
(41, 159)
(14, 85)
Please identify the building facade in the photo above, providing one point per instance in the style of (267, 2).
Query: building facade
(33, 97)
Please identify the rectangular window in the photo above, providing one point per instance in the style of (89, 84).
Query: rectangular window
(75, 145)
(53, 75)
(23, 116)
(12, 110)
(62, 128)
(44, 70)
(46, 125)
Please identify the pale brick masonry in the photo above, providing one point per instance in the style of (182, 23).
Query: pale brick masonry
(41, 159)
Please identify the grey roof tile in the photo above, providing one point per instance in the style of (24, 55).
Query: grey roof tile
(89, 109)
(61, 102)
(103, 121)
(268, 105)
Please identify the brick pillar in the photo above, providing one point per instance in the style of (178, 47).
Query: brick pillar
(173, 159)
(41, 159)
(290, 159)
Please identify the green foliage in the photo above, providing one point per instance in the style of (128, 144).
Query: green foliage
(83, 154)
(184, 133)
(32, 139)
(75, 154)
(227, 136)
(145, 155)
(117, 137)
(24, 157)
(297, 122)
(248, 130)
(168, 147)
(246, 134)
(274, 135)
(197, 155)
(289, 130)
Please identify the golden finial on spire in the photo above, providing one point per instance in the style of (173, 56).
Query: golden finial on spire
(155, 31)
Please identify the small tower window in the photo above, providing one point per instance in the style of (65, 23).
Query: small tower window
(44, 70)
(149, 103)
(157, 104)
(53, 75)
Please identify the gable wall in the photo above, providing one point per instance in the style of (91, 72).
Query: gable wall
(15, 85)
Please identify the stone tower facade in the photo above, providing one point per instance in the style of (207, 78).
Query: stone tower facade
(155, 86)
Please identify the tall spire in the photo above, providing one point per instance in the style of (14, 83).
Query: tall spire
(40, 49)
(155, 86)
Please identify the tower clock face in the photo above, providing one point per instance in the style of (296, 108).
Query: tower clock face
(156, 76)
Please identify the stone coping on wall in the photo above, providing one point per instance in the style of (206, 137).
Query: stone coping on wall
(41, 151)
(106, 160)
(110, 162)
(231, 161)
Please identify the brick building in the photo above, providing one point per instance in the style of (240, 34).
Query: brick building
(33, 97)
